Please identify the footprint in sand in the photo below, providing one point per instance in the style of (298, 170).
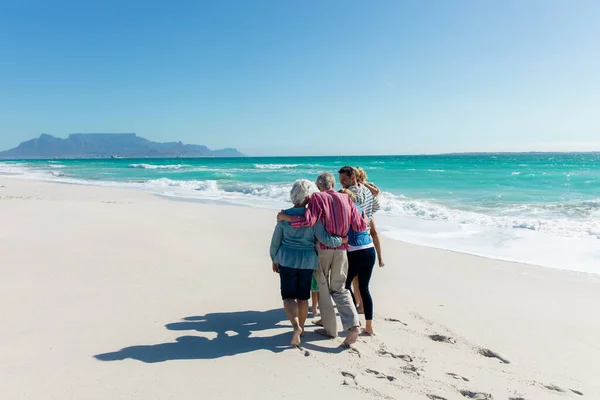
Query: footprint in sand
(442, 339)
(380, 375)
(411, 370)
(492, 354)
(558, 389)
(351, 378)
(436, 397)
(395, 320)
(456, 376)
(354, 351)
(476, 395)
(554, 388)
(405, 357)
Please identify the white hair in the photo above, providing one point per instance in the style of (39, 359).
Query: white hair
(325, 181)
(301, 189)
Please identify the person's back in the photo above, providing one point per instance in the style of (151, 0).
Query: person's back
(361, 258)
(357, 239)
(334, 210)
(294, 257)
(366, 200)
(337, 214)
(297, 248)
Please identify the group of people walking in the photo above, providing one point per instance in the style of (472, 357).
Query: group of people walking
(328, 244)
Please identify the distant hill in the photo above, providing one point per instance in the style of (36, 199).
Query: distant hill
(100, 145)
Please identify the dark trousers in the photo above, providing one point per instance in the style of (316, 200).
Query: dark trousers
(361, 263)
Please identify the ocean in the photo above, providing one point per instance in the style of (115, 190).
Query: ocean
(541, 209)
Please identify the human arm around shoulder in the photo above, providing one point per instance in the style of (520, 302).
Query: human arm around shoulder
(325, 237)
(311, 215)
(372, 188)
(282, 216)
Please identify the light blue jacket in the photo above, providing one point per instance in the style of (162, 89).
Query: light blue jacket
(295, 247)
(359, 238)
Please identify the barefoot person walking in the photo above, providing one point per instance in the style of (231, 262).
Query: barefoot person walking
(337, 213)
(362, 246)
(295, 259)
(361, 260)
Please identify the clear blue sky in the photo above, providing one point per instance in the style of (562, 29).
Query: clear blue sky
(306, 77)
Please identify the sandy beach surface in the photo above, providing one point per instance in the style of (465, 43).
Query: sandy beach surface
(119, 294)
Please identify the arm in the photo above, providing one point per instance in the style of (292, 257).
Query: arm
(376, 205)
(372, 188)
(377, 243)
(276, 241)
(311, 215)
(325, 237)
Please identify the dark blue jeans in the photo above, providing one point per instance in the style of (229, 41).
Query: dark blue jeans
(361, 263)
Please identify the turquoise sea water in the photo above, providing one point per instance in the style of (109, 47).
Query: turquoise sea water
(537, 208)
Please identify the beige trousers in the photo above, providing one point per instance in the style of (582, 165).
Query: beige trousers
(331, 277)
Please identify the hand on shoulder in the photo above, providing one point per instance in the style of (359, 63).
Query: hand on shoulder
(282, 216)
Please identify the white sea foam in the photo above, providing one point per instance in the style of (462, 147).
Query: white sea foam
(150, 166)
(540, 218)
(563, 235)
(517, 245)
(275, 166)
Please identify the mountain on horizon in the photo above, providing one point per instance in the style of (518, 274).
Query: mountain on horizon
(105, 145)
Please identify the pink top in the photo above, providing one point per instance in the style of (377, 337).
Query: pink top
(336, 212)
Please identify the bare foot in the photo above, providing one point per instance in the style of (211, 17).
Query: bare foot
(368, 331)
(352, 336)
(323, 332)
(296, 337)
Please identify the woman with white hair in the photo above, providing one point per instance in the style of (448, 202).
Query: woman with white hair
(294, 257)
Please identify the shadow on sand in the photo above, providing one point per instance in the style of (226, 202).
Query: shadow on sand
(233, 331)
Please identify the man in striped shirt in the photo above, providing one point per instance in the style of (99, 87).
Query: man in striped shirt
(337, 213)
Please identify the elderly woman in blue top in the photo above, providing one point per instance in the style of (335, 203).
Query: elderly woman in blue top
(295, 258)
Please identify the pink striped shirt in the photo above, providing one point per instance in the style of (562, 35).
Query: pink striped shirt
(336, 212)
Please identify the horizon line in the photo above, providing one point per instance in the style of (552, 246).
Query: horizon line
(307, 156)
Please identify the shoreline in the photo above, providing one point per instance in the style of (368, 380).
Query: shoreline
(387, 231)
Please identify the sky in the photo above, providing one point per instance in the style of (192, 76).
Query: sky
(306, 77)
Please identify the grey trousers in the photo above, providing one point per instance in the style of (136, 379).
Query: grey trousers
(331, 277)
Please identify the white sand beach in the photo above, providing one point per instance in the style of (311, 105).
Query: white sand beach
(119, 294)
